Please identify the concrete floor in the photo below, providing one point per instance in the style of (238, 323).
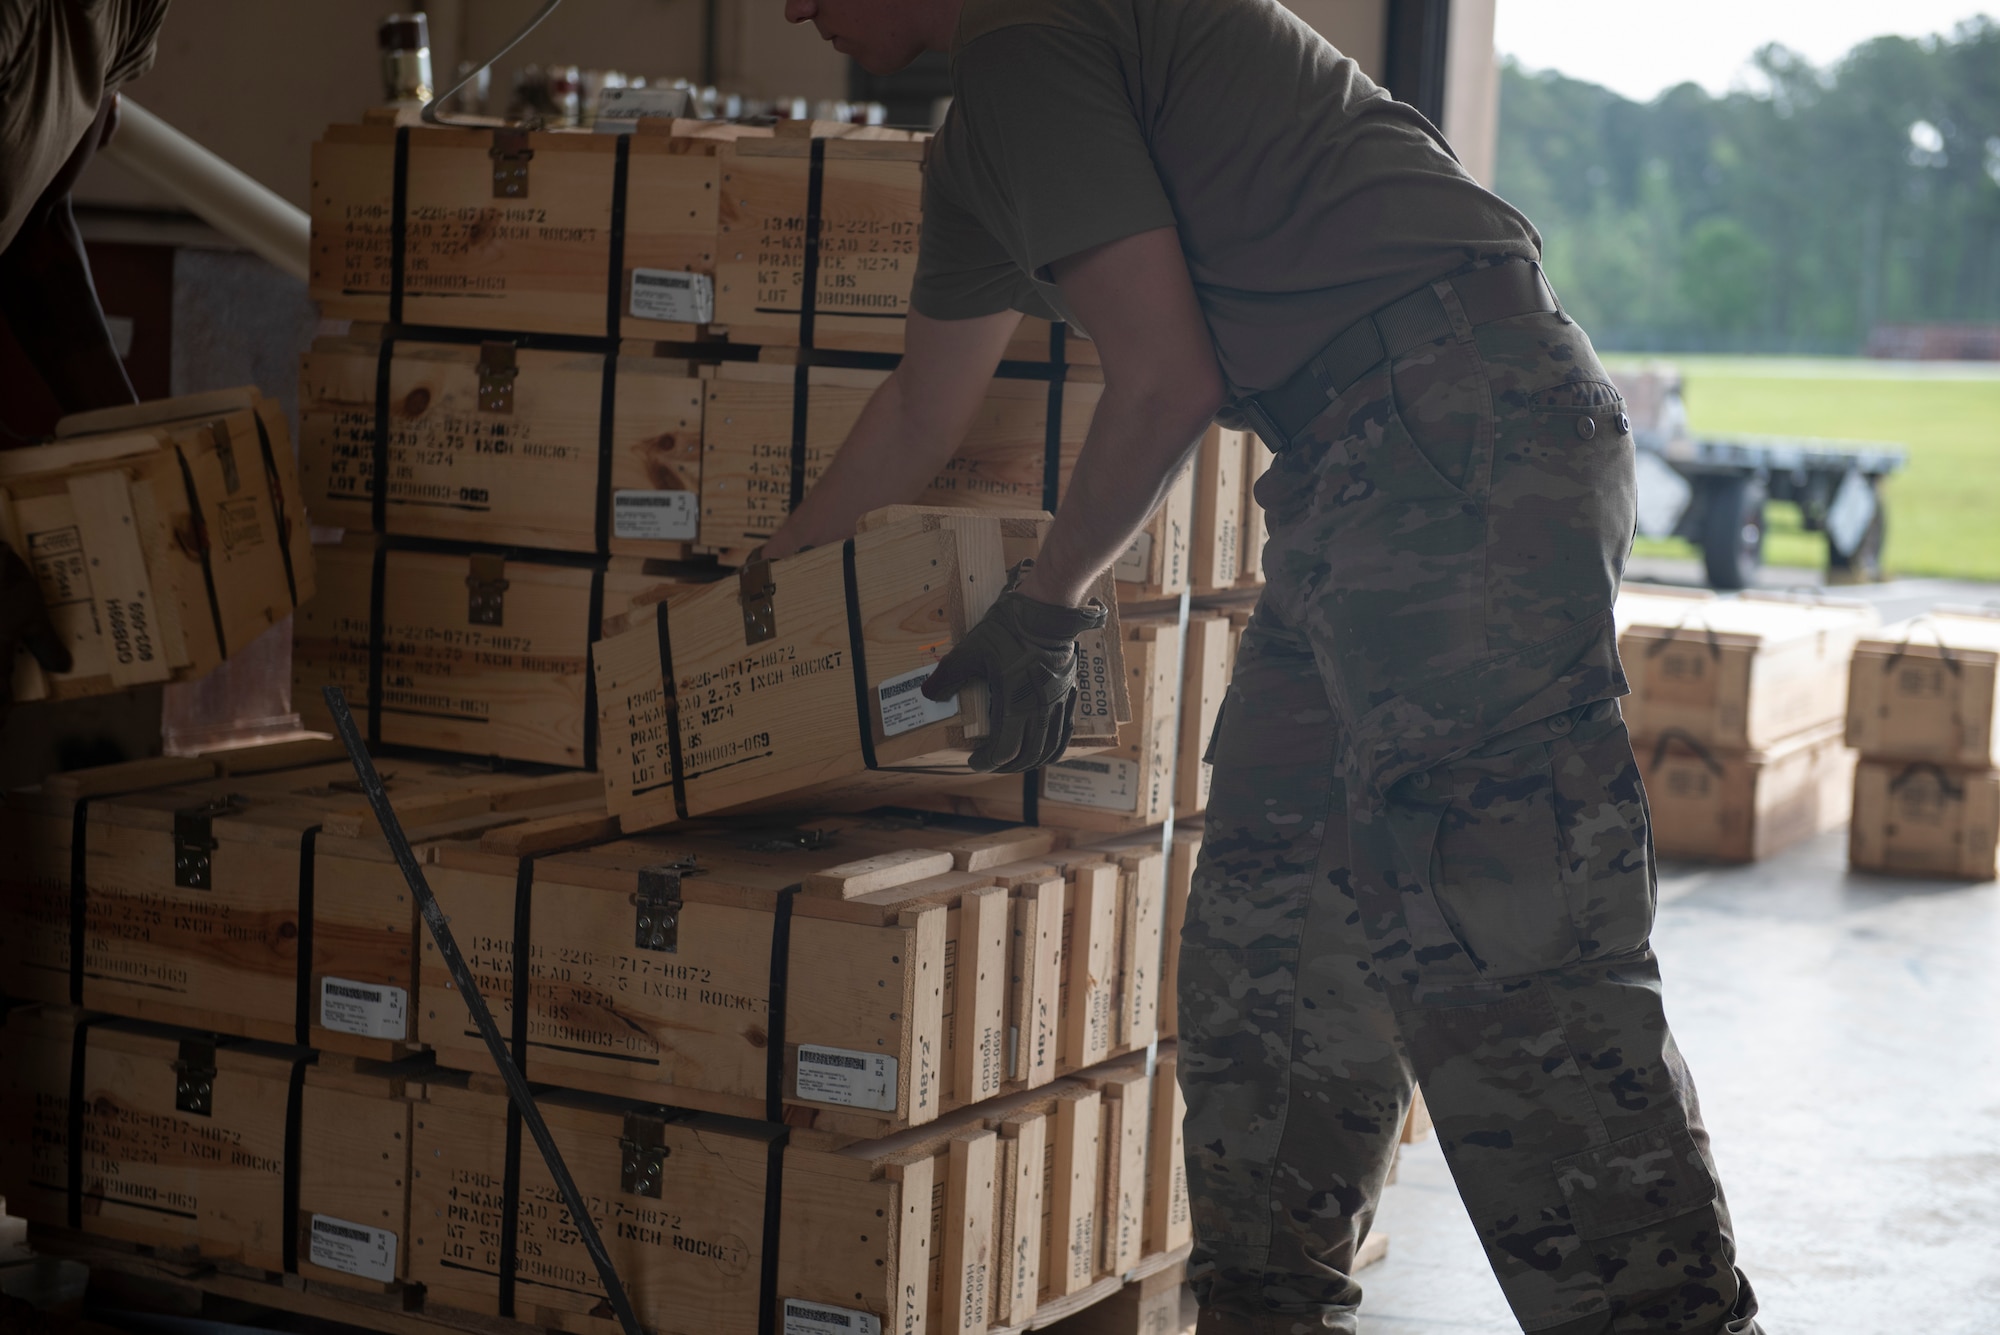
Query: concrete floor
(1844, 1030)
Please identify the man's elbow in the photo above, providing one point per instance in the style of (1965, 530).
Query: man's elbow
(1183, 396)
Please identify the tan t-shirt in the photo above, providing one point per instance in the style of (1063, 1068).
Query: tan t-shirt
(58, 58)
(1305, 196)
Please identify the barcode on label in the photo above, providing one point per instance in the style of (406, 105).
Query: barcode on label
(803, 1318)
(1110, 784)
(851, 1079)
(668, 294)
(370, 1010)
(352, 1249)
(655, 516)
(905, 706)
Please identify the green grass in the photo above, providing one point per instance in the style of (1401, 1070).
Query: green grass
(1943, 507)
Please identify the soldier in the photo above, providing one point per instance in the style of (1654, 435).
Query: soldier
(1427, 853)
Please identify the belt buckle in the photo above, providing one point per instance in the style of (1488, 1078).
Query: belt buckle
(1266, 425)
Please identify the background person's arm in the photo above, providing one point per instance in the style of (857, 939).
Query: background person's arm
(49, 300)
(911, 426)
(1161, 387)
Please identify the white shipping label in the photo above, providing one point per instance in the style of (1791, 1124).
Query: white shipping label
(662, 516)
(1093, 782)
(372, 1010)
(852, 1079)
(353, 1249)
(905, 706)
(802, 1318)
(1136, 566)
(667, 294)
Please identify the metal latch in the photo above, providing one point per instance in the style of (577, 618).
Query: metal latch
(656, 921)
(486, 590)
(510, 154)
(195, 845)
(756, 588)
(643, 1170)
(496, 377)
(194, 1077)
(225, 455)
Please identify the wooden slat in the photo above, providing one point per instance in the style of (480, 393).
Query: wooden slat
(1089, 964)
(1169, 1220)
(970, 1210)
(1069, 1236)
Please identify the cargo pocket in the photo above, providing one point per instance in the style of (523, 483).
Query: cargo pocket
(1495, 868)
(1635, 1183)
(1607, 854)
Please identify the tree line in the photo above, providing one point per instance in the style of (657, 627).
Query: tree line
(1790, 218)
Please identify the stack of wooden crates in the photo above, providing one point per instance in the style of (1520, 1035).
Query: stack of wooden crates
(1924, 711)
(833, 1065)
(1736, 714)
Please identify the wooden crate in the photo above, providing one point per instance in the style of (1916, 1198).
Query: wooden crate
(165, 536)
(537, 258)
(752, 414)
(1920, 819)
(1158, 1304)
(1181, 858)
(1250, 570)
(683, 1014)
(1220, 492)
(1928, 689)
(477, 651)
(1169, 1215)
(764, 666)
(1159, 562)
(1740, 673)
(254, 898)
(1743, 806)
(182, 1143)
(1208, 664)
(501, 444)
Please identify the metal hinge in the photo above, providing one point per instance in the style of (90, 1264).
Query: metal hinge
(756, 588)
(225, 455)
(486, 590)
(496, 377)
(194, 1077)
(194, 843)
(643, 1169)
(656, 920)
(510, 154)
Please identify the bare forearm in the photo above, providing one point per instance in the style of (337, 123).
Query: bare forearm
(1137, 446)
(888, 459)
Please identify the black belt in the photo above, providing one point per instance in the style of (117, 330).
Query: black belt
(1515, 287)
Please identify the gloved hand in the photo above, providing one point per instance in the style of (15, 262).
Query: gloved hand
(24, 624)
(1025, 652)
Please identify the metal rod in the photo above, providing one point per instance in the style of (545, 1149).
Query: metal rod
(447, 947)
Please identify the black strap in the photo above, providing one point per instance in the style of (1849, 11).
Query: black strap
(864, 717)
(202, 545)
(524, 892)
(399, 209)
(774, 1105)
(79, 894)
(303, 1007)
(378, 587)
(1693, 745)
(378, 461)
(670, 702)
(78, 1049)
(274, 481)
(1052, 439)
(1946, 788)
(614, 287)
(589, 670)
(808, 316)
(774, 1191)
(294, 1156)
(1031, 797)
(510, 1209)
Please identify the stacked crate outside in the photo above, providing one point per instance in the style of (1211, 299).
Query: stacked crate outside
(1924, 711)
(1735, 714)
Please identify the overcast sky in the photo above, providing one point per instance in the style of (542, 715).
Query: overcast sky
(1640, 48)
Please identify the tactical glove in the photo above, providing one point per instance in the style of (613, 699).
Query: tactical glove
(24, 624)
(1025, 652)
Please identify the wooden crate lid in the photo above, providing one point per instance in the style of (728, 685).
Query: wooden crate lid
(1966, 637)
(1744, 622)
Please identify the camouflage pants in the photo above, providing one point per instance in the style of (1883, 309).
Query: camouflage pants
(1428, 858)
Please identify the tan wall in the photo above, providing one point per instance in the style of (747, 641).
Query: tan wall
(1472, 88)
(1360, 28)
